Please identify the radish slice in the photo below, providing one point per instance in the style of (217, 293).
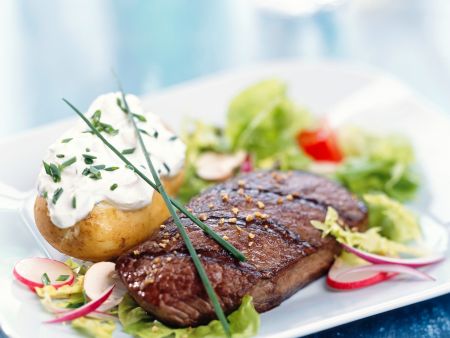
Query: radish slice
(338, 278)
(247, 165)
(30, 272)
(100, 277)
(385, 268)
(378, 259)
(83, 310)
(217, 167)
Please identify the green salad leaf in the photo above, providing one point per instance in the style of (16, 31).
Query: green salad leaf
(244, 322)
(370, 241)
(395, 221)
(263, 121)
(377, 164)
(94, 328)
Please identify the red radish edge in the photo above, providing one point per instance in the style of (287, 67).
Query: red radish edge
(247, 165)
(32, 284)
(387, 268)
(340, 266)
(378, 259)
(83, 310)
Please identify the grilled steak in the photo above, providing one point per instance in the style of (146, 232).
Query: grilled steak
(267, 216)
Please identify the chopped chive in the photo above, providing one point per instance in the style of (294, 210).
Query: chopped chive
(167, 167)
(111, 168)
(155, 134)
(60, 155)
(88, 150)
(144, 132)
(140, 117)
(67, 140)
(129, 166)
(99, 166)
(89, 159)
(74, 202)
(113, 187)
(119, 103)
(68, 163)
(128, 151)
(173, 138)
(45, 280)
(62, 278)
(53, 171)
(95, 173)
(57, 195)
(96, 116)
(45, 194)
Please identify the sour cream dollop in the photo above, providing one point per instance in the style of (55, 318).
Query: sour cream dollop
(80, 187)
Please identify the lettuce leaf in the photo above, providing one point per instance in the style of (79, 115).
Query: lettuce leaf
(395, 221)
(94, 328)
(244, 322)
(377, 164)
(370, 241)
(263, 121)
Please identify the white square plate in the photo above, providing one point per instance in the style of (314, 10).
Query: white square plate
(351, 93)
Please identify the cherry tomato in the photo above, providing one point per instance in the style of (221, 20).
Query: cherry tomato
(320, 144)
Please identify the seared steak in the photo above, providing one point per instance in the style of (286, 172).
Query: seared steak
(267, 216)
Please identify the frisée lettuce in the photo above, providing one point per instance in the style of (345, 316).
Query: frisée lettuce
(395, 221)
(370, 241)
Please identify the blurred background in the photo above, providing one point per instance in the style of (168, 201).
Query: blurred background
(50, 49)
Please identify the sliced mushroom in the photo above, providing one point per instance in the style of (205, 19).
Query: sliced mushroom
(218, 167)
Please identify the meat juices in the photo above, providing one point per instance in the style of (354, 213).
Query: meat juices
(266, 215)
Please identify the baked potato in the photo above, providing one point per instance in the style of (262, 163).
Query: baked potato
(107, 231)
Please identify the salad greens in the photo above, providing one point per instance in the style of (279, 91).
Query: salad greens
(370, 241)
(244, 322)
(263, 121)
(395, 221)
(377, 164)
(95, 328)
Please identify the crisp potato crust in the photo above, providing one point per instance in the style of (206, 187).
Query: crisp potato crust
(107, 231)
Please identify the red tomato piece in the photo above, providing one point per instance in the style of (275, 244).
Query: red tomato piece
(320, 144)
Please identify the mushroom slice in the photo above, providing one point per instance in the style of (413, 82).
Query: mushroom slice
(218, 167)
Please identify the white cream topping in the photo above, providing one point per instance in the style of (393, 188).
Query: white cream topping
(167, 154)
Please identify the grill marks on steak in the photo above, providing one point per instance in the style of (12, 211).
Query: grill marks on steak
(265, 215)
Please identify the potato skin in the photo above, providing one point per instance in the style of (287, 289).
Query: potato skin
(107, 231)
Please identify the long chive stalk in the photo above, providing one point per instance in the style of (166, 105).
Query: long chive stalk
(170, 205)
(198, 265)
(206, 228)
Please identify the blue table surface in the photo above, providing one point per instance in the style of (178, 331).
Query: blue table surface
(50, 50)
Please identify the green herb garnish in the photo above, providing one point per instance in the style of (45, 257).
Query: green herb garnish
(100, 126)
(128, 151)
(113, 187)
(92, 172)
(111, 168)
(66, 140)
(74, 202)
(67, 163)
(62, 278)
(60, 155)
(57, 195)
(173, 138)
(45, 279)
(52, 170)
(89, 159)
